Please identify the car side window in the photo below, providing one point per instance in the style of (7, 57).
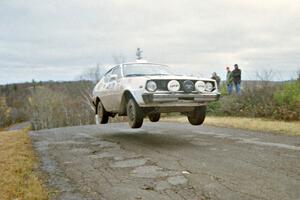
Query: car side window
(117, 71)
(107, 76)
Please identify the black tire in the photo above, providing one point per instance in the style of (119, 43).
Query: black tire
(135, 114)
(154, 117)
(197, 116)
(103, 115)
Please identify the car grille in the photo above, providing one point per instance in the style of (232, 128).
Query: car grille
(162, 85)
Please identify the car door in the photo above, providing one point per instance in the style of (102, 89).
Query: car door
(116, 88)
(106, 91)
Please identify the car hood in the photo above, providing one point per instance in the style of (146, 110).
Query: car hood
(176, 77)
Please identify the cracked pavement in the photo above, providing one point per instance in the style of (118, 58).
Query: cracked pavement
(168, 161)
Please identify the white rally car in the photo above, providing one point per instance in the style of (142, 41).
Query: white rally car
(142, 89)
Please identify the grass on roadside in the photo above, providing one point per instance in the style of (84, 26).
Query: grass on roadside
(254, 124)
(18, 179)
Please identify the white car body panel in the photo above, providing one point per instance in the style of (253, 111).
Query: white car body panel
(111, 92)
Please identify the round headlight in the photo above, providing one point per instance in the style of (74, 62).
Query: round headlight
(209, 86)
(151, 86)
(200, 86)
(173, 86)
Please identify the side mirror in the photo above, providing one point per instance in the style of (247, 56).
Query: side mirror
(113, 77)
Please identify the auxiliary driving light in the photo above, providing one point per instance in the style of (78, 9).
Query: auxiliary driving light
(173, 86)
(209, 86)
(200, 86)
(188, 86)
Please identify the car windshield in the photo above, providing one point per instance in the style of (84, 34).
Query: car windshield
(145, 69)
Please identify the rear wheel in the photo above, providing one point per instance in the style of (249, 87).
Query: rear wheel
(154, 117)
(102, 114)
(197, 116)
(135, 114)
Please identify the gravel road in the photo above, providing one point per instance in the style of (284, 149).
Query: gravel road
(168, 161)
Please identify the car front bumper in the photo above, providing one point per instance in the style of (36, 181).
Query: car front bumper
(178, 99)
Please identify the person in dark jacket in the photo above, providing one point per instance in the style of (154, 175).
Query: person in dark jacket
(217, 78)
(236, 75)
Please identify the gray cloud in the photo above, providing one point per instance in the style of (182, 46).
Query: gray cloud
(58, 39)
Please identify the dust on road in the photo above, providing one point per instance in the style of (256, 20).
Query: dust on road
(168, 161)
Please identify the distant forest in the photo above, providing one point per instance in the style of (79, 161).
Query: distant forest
(46, 104)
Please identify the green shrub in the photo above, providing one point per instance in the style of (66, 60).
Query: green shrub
(288, 101)
(263, 99)
(289, 94)
(213, 108)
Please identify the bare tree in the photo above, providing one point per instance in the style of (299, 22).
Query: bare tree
(265, 78)
(93, 74)
(4, 113)
(51, 108)
(265, 75)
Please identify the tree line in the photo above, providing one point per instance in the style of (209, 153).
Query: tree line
(58, 104)
(46, 104)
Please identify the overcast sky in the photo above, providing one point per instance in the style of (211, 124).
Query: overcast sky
(59, 39)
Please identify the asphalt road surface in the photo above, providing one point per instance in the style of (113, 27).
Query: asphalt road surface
(168, 161)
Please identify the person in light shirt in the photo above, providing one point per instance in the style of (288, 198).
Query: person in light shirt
(229, 81)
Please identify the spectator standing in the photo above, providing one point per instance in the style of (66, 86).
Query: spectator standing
(217, 78)
(236, 74)
(229, 80)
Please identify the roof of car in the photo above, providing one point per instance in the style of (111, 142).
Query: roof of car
(141, 62)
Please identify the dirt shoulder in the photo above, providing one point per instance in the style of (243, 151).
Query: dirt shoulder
(18, 178)
(253, 124)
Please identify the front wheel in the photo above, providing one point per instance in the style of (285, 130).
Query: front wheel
(102, 114)
(135, 114)
(197, 116)
(154, 117)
